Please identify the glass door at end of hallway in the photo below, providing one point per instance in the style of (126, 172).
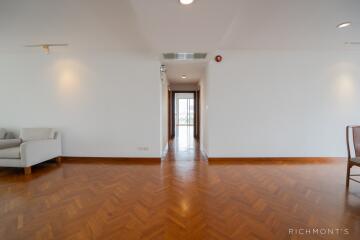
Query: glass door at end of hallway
(184, 112)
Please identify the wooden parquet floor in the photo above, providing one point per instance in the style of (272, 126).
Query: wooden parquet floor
(184, 197)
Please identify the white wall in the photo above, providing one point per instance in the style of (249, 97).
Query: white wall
(282, 103)
(203, 113)
(105, 104)
(184, 86)
(184, 95)
(164, 114)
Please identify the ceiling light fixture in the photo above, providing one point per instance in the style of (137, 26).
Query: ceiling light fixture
(46, 47)
(344, 25)
(186, 2)
(183, 76)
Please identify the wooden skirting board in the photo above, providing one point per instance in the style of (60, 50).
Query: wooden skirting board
(215, 160)
(111, 160)
(276, 160)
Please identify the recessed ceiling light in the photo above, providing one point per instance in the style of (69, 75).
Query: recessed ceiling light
(186, 2)
(344, 25)
(183, 76)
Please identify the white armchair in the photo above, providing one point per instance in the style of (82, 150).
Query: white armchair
(38, 145)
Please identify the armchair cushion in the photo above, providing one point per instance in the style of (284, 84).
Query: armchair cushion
(2, 133)
(8, 143)
(32, 134)
(34, 152)
(10, 153)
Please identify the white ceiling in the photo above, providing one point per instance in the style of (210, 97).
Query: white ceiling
(167, 26)
(210, 25)
(192, 69)
(158, 26)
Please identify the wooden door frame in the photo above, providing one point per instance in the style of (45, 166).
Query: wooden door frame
(171, 121)
(198, 114)
(170, 115)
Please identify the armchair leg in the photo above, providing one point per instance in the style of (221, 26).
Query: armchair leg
(348, 176)
(58, 160)
(27, 170)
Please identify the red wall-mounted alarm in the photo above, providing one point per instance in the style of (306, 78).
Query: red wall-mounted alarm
(218, 58)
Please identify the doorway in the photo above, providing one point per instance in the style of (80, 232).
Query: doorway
(184, 115)
(184, 119)
(184, 81)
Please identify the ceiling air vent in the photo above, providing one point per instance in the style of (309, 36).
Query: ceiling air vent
(352, 43)
(184, 56)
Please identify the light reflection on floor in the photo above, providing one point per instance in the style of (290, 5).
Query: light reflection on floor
(184, 150)
(184, 139)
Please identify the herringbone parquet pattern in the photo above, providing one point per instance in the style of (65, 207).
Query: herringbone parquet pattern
(184, 199)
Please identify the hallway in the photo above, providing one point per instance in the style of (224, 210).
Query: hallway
(184, 147)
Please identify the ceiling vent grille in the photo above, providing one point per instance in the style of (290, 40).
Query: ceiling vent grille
(184, 56)
(352, 43)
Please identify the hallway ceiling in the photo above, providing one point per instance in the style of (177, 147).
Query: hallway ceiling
(192, 69)
(159, 26)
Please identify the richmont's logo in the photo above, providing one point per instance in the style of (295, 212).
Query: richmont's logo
(319, 231)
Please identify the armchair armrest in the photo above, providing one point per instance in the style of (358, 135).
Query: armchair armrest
(34, 152)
